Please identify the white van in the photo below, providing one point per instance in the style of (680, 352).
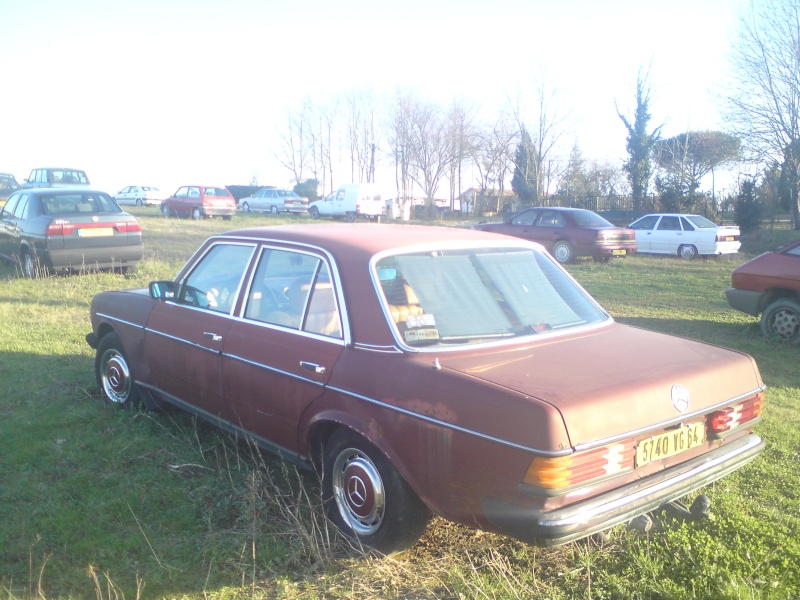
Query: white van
(351, 200)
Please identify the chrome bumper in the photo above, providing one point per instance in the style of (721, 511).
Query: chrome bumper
(622, 504)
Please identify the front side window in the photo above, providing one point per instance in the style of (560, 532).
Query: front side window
(645, 223)
(469, 296)
(294, 290)
(214, 282)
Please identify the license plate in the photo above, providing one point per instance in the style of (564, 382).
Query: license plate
(729, 239)
(670, 443)
(619, 252)
(95, 231)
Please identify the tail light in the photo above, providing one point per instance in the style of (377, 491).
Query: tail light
(730, 237)
(730, 418)
(128, 227)
(569, 471)
(59, 227)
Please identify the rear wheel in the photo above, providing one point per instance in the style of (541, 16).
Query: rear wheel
(367, 498)
(782, 319)
(687, 251)
(196, 213)
(274, 210)
(563, 252)
(114, 377)
(139, 202)
(165, 211)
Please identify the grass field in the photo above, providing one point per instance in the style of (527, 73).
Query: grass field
(96, 502)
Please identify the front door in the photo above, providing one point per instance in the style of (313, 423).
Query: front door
(185, 336)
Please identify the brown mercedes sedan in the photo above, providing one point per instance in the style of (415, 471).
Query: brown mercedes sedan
(432, 370)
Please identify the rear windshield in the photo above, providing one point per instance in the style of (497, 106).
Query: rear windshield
(288, 194)
(469, 296)
(217, 192)
(586, 218)
(701, 222)
(64, 204)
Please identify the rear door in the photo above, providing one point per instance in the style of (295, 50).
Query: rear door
(280, 354)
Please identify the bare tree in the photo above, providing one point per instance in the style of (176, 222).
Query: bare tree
(464, 140)
(295, 141)
(764, 99)
(399, 137)
(545, 126)
(493, 161)
(362, 134)
(430, 149)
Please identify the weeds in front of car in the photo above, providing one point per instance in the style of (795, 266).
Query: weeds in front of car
(106, 503)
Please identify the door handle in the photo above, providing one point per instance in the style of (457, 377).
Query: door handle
(313, 367)
(214, 337)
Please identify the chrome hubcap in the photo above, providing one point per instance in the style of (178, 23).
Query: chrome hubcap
(358, 490)
(116, 378)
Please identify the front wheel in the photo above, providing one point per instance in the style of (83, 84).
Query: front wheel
(782, 319)
(113, 374)
(351, 217)
(246, 207)
(314, 212)
(563, 252)
(367, 498)
(687, 252)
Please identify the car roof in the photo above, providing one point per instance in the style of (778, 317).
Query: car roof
(59, 190)
(370, 238)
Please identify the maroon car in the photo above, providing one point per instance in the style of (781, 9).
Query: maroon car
(568, 232)
(199, 201)
(769, 285)
(432, 370)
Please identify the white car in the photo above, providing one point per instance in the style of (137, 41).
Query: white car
(274, 200)
(141, 195)
(686, 236)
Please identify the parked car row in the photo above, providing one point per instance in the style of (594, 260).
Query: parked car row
(369, 353)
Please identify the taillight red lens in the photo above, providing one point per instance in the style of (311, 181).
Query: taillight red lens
(59, 227)
(128, 227)
(732, 417)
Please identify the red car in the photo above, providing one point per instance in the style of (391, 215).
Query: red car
(568, 232)
(432, 370)
(198, 201)
(769, 285)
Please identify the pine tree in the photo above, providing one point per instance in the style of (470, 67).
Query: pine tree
(524, 180)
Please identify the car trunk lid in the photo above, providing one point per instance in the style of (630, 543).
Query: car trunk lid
(617, 379)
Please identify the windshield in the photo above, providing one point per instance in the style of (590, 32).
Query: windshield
(475, 295)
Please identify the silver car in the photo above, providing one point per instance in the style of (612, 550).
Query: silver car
(274, 200)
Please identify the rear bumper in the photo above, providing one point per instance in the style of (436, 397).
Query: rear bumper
(219, 211)
(622, 504)
(747, 301)
(94, 258)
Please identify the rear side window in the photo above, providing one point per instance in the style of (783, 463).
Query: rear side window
(669, 224)
(217, 192)
(294, 290)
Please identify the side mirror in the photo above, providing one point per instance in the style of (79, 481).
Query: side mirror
(163, 290)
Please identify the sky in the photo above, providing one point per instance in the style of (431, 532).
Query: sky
(178, 92)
